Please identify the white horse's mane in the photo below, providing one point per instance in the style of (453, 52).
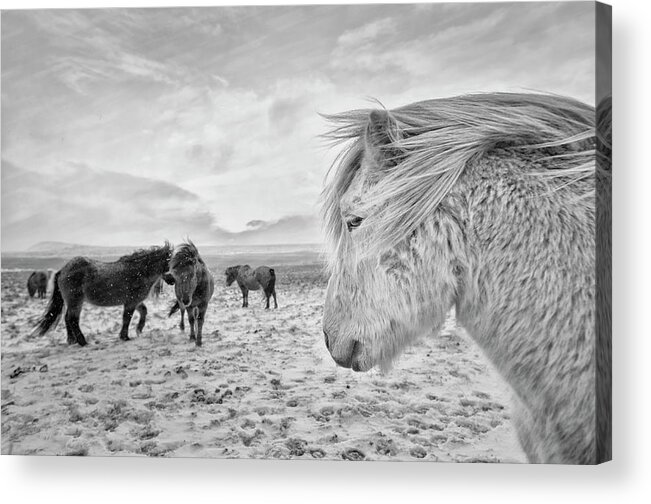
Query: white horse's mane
(437, 138)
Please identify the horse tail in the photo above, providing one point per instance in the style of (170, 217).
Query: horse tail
(272, 280)
(31, 288)
(54, 308)
(156, 289)
(174, 308)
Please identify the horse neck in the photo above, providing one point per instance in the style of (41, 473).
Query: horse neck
(204, 281)
(526, 292)
(157, 264)
(202, 271)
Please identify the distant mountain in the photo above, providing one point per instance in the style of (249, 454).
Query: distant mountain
(63, 249)
(290, 229)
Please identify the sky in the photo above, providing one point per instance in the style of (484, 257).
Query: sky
(132, 126)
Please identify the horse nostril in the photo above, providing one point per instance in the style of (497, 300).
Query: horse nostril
(186, 301)
(327, 343)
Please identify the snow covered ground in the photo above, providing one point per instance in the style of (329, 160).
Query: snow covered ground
(262, 386)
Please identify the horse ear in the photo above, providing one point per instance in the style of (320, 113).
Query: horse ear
(382, 133)
(168, 278)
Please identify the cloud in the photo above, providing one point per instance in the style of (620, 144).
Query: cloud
(217, 109)
(285, 112)
(366, 33)
(363, 49)
(81, 74)
(96, 207)
(289, 229)
(472, 47)
(87, 48)
(224, 82)
(254, 224)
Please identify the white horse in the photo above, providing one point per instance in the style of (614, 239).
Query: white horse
(485, 203)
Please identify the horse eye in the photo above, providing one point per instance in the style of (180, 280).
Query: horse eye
(353, 223)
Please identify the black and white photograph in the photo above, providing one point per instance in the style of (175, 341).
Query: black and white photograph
(308, 232)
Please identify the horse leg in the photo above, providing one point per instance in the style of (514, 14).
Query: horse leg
(245, 295)
(182, 324)
(72, 326)
(73, 311)
(191, 319)
(126, 320)
(275, 302)
(267, 295)
(80, 336)
(201, 315)
(142, 310)
(70, 331)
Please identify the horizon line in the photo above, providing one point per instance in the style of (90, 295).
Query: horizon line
(136, 247)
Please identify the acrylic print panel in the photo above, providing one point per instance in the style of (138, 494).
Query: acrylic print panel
(422, 275)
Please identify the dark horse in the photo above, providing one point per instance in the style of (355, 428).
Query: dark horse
(253, 279)
(126, 281)
(37, 284)
(193, 286)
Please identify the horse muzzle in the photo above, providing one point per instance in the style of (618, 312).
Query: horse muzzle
(345, 350)
(346, 354)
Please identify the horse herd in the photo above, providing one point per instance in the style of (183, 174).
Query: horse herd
(130, 280)
(496, 204)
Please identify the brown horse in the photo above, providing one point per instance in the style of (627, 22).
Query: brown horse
(126, 282)
(485, 203)
(193, 286)
(37, 284)
(248, 279)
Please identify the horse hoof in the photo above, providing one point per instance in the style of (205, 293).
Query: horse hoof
(125, 338)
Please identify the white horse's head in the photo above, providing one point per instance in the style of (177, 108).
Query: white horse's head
(381, 295)
(416, 193)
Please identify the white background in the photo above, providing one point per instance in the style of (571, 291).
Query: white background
(626, 479)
